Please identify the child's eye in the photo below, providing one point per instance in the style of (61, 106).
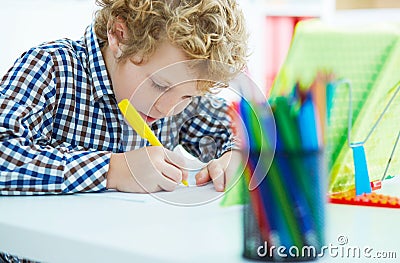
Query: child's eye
(158, 86)
(187, 97)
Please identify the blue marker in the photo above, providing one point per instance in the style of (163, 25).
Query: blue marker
(307, 125)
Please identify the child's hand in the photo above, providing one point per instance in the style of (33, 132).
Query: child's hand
(220, 171)
(146, 170)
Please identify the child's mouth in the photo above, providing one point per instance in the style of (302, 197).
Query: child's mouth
(147, 118)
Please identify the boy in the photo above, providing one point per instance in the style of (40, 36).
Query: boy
(60, 127)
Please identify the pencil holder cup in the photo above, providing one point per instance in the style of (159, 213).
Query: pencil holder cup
(284, 219)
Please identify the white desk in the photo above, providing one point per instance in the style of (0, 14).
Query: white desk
(94, 229)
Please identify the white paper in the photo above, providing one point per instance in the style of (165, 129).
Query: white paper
(181, 196)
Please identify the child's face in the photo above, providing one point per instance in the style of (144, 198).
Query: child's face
(155, 87)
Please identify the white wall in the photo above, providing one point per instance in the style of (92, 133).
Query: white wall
(26, 23)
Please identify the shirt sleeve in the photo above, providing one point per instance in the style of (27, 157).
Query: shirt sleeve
(29, 164)
(205, 128)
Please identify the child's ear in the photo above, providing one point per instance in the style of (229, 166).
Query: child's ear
(116, 33)
(137, 59)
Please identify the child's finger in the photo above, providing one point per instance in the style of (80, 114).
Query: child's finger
(167, 185)
(185, 175)
(172, 172)
(169, 179)
(217, 174)
(178, 161)
(175, 159)
(202, 177)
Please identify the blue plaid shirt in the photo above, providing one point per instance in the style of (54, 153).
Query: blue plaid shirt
(59, 122)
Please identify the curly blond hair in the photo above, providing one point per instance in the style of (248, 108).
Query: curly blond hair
(212, 30)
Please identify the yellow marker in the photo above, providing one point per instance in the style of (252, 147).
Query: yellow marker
(139, 125)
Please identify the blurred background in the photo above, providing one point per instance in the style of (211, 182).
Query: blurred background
(26, 23)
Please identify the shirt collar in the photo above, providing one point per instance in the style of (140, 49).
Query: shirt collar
(101, 84)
